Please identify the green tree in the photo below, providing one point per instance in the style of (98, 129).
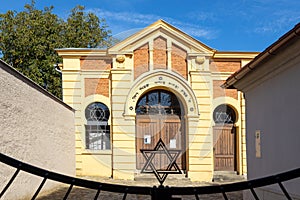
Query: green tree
(81, 29)
(28, 40)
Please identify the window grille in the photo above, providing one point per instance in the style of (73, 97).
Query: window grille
(224, 114)
(158, 102)
(97, 137)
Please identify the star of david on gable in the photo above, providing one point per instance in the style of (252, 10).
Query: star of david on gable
(161, 174)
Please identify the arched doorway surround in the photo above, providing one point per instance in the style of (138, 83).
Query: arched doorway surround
(159, 115)
(162, 79)
(171, 84)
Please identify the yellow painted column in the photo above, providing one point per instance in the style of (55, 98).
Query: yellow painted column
(123, 129)
(200, 132)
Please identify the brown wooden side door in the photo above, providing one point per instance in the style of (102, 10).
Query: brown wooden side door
(150, 128)
(224, 147)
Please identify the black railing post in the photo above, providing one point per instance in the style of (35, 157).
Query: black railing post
(223, 193)
(98, 192)
(284, 191)
(161, 193)
(40, 187)
(10, 182)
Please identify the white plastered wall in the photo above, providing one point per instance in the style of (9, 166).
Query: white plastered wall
(34, 129)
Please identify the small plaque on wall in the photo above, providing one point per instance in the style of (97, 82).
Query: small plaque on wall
(257, 144)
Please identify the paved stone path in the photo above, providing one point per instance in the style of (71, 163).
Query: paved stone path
(78, 193)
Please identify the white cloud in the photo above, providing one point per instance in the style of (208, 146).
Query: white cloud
(137, 20)
(282, 21)
(193, 29)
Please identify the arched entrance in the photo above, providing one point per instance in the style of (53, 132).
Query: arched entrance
(224, 133)
(160, 114)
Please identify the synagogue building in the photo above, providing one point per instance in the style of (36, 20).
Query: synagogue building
(159, 83)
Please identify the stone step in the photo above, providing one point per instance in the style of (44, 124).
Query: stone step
(227, 177)
(152, 177)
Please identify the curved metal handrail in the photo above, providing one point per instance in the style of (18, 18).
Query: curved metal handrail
(72, 180)
(143, 190)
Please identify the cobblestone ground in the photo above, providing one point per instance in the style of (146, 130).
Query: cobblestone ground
(82, 193)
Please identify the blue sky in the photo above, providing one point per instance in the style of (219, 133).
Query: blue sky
(225, 25)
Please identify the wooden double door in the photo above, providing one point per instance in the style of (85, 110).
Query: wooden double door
(150, 128)
(225, 148)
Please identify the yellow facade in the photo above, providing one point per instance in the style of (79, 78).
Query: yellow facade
(158, 58)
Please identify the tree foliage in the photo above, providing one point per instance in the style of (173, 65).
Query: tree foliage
(28, 40)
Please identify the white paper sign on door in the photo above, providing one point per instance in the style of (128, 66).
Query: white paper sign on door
(173, 143)
(147, 139)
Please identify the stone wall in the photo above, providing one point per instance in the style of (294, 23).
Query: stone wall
(36, 128)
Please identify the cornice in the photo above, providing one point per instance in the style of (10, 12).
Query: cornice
(234, 55)
(81, 52)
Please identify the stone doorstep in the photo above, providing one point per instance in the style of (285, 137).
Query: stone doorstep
(227, 176)
(151, 177)
(178, 180)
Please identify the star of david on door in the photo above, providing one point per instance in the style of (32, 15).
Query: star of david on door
(159, 149)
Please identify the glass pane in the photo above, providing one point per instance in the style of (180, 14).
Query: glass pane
(153, 98)
(97, 137)
(224, 114)
(141, 107)
(95, 141)
(158, 102)
(97, 112)
(165, 99)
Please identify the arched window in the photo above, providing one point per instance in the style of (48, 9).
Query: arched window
(158, 102)
(97, 128)
(97, 113)
(224, 114)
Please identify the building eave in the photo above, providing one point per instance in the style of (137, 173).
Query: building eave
(270, 51)
(159, 25)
